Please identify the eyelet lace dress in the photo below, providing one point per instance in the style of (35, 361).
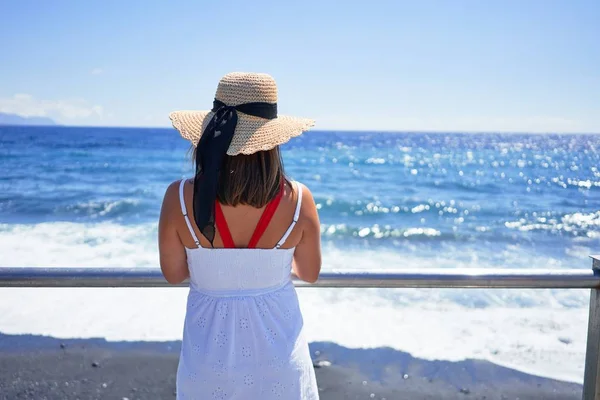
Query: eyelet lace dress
(243, 333)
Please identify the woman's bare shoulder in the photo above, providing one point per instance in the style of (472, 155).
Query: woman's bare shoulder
(172, 189)
(171, 197)
(306, 193)
(308, 206)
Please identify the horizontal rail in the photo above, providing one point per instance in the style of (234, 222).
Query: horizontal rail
(423, 278)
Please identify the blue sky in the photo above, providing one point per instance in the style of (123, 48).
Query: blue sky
(480, 65)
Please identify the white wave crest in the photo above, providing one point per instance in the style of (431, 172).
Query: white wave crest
(67, 244)
(525, 329)
(102, 208)
(375, 160)
(586, 224)
(377, 231)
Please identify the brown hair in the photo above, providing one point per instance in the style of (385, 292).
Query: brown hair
(253, 179)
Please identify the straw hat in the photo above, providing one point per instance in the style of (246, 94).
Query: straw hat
(252, 134)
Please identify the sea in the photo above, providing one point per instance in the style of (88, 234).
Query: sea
(90, 197)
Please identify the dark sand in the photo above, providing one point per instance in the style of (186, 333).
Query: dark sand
(36, 367)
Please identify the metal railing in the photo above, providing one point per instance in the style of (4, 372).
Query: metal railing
(428, 278)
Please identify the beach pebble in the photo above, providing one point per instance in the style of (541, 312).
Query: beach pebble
(565, 340)
(104, 385)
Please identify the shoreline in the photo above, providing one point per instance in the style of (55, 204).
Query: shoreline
(33, 366)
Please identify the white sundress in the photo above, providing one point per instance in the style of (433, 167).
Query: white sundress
(243, 333)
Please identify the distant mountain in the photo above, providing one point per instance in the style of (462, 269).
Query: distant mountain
(14, 119)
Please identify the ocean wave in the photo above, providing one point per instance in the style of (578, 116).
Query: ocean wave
(377, 232)
(45, 207)
(489, 324)
(375, 160)
(497, 323)
(332, 205)
(107, 244)
(464, 186)
(108, 208)
(587, 183)
(70, 244)
(574, 224)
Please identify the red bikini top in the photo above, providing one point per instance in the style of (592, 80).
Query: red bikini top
(265, 218)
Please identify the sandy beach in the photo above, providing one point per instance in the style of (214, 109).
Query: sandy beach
(38, 367)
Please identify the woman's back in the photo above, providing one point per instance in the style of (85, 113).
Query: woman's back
(233, 268)
(242, 221)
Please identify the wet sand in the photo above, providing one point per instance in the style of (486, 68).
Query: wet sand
(38, 367)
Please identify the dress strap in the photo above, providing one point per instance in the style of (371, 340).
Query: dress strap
(296, 215)
(222, 226)
(266, 217)
(185, 214)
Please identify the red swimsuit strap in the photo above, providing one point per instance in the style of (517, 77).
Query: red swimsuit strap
(222, 227)
(263, 222)
(265, 218)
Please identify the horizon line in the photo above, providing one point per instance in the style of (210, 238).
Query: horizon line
(423, 131)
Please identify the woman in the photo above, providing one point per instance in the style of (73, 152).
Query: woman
(237, 231)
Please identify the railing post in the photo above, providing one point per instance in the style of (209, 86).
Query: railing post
(591, 376)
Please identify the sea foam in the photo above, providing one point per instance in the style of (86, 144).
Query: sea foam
(537, 331)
